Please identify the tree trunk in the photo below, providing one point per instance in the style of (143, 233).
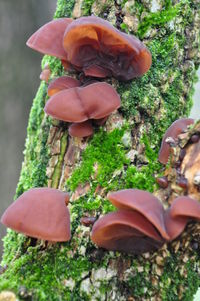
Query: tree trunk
(122, 154)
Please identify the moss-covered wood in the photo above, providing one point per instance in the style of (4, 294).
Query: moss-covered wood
(122, 154)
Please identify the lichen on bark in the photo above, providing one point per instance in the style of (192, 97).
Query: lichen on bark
(122, 154)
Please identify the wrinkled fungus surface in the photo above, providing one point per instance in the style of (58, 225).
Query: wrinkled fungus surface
(92, 43)
(40, 213)
(94, 46)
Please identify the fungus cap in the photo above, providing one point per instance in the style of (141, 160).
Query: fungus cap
(48, 39)
(40, 213)
(92, 42)
(185, 206)
(126, 231)
(143, 202)
(175, 226)
(82, 129)
(182, 210)
(94, 101)
(62, 83)
(173, 131)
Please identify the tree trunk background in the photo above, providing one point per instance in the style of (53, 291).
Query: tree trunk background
(122, 154)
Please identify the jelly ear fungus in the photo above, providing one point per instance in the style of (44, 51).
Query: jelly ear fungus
(41, 213)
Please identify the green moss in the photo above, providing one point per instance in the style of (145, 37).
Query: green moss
(64, 8)
(171, 285)
(33, 172)
(102, 157)
(43, 273)
(158, 18)
(86, 7)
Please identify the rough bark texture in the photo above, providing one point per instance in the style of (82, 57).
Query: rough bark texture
(122, 154)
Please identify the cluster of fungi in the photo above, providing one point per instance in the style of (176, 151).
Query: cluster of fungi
(95, 49)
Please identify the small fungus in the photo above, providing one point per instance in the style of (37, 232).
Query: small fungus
(185, 206)
(87, 221)
(182, 210)
(93, 45)
(162, 182)
(49, 38)
(80, 104)
(62, 83)
(173, 131)
(125, 231)
(45, 74)
(40, 213)
(82, 129)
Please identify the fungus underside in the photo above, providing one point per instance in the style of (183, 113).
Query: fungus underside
(138, 95)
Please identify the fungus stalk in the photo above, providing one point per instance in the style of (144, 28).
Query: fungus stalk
(121, 154)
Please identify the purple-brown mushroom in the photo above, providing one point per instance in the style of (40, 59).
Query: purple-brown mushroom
(40, 213)
(49, 38)
(80, 104)
(126, 231)
(182, 210)
(45, 74)
(93, 45)
(62, 83)
(173, 131)
(82, 129)
(143, 202)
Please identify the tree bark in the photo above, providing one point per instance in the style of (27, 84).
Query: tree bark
(122, 154)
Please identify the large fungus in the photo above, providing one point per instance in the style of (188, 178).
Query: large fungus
(96, 47)
(94, 101)
(145, 203)
(93, 45)
(126, 231)
(173, 131)
(40, 213)
(49, 38)
(62, 83)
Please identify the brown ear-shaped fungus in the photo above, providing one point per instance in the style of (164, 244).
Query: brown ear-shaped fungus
(143, 202)
(40, 213)
(62, 83)
(185, 206)
(173, 131)
(182, 210)
(125, 231)
(96, 71)
(49, 38)
(175, 226)
(100, 121)
(80, 104)
(82, 129)
(91, 42)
